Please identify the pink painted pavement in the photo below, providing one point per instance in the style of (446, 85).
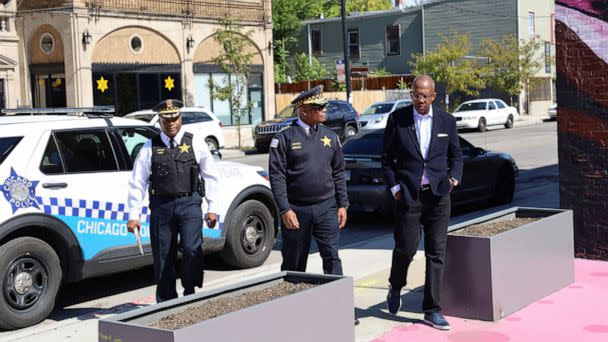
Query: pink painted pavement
(576, 313)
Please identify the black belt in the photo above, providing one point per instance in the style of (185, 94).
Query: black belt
(425, 187)
(177, 195)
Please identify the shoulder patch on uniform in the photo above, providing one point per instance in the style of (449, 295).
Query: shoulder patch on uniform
(274, 142)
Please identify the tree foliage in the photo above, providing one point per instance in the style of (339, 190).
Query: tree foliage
(288, 14)
(511, 64)
(449, 64)
(235, 60)
(305, 71)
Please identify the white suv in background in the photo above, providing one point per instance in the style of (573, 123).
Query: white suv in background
(63, 212)
(194, 120)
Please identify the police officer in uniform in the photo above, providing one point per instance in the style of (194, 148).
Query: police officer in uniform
(307, 179)
(170, 167)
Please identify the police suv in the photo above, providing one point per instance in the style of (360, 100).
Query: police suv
(63, 214)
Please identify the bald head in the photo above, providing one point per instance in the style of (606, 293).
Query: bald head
(423, 93)
(423, 80)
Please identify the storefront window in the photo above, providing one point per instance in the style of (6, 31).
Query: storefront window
(203, 96)
(221, 108)
(129, 91)
(148, 90)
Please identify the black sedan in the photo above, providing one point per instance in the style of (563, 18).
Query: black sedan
(487, 176)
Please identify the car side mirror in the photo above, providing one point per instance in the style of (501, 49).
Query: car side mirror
(216, 154)
(479, 151)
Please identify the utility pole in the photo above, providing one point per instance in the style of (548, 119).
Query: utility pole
(346, 51)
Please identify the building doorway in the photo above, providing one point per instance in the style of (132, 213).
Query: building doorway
(49, 90)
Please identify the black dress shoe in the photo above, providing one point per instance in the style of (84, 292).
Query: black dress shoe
(356, 321)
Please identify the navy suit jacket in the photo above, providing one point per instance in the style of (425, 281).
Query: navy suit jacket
(402, 160)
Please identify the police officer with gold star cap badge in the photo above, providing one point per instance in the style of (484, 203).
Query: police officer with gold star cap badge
(177, 170)
(307, 179)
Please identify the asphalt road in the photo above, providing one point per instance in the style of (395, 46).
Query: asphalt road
(75, 317)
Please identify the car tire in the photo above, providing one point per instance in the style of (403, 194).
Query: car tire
(212, 144)
(481, 125)
(249, 236)
(505, 186)
(509, 123)
(27, 260)
(349, 132)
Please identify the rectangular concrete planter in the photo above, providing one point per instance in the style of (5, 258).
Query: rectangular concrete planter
(488, 278)
(322, 313)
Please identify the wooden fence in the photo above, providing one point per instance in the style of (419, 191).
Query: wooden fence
(361, 99)
(357, 83)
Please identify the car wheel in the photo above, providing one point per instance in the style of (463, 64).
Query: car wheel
(212, 144)
(481, 125)
(505, 186)
(509, 123)
(249, 235)
(349, 131)
(30, 279)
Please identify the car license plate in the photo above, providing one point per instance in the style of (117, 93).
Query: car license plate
(347, 174)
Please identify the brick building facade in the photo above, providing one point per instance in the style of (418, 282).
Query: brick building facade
(582, 95)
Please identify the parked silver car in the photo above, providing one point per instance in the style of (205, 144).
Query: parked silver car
(375, 116)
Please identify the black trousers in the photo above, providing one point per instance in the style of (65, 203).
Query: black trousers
(170, 217)
(321, 221)
(433, 214)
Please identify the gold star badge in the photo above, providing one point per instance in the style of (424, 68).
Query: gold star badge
(326, 141)
(102, 84)
(169, 83)
(184, 148)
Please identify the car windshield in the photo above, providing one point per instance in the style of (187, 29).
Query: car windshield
(6, 146)
(378, 108)
(471, 106)
(143, 117)
(365, 144)
(287, 112)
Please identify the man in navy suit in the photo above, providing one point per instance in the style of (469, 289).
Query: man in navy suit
(422, 163)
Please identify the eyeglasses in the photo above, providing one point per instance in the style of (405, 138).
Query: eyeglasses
(417, 96)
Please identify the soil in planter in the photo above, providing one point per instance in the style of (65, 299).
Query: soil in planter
(221, 306)
(490, 229)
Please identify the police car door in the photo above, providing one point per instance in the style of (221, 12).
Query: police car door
(81, 185)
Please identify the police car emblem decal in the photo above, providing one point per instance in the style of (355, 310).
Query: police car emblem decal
(19, 191)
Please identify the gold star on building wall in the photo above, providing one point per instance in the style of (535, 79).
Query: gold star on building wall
(169, 83)
(102, 84)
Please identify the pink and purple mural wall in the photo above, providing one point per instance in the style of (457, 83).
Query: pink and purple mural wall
(581, 30)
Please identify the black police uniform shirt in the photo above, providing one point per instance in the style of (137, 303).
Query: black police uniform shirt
(306, 169)
(142, 170)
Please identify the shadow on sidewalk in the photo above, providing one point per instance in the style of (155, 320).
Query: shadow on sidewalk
(411, 304)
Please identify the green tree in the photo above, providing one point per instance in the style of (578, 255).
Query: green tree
(234, 59)
(307, 72)
(450, 65)
(511, 64)
(331, 9)
(288, 14)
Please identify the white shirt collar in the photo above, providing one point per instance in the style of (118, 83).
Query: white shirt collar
(420, 116)
(303, 124)
(178, 137)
